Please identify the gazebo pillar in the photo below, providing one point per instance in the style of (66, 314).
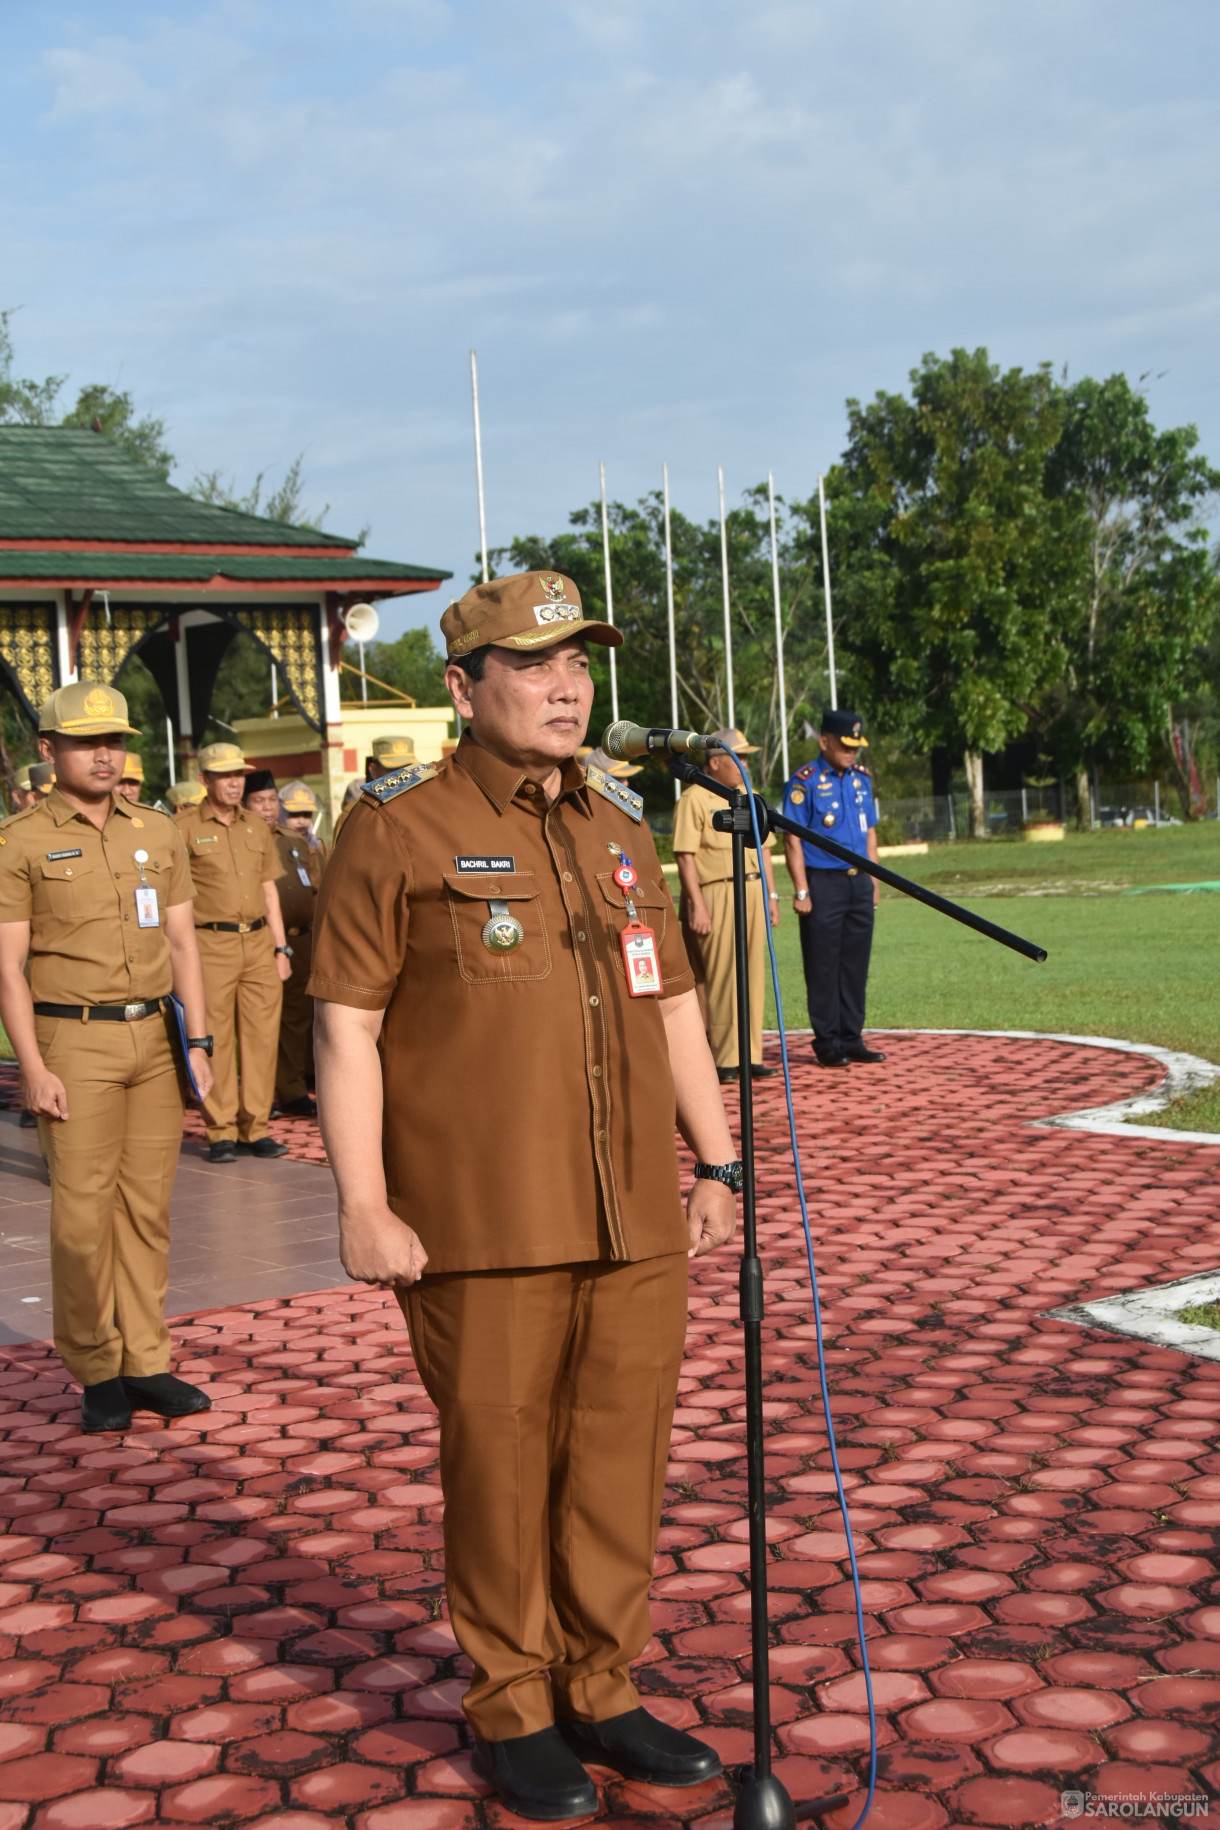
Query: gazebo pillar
(182, 675)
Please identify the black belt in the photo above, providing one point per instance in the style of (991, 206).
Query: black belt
(234, 927)
(294, 933)
(103, 1013)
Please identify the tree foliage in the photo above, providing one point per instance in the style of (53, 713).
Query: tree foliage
(412, 663)
(98, 408)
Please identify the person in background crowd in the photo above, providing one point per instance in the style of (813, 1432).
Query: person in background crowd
(42, 780)
(23, 795)
(245, 953)
(705, 871)
(131, 782)
(291, 818)
(185, 794)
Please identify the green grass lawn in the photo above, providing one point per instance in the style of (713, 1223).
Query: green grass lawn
(1143, 968)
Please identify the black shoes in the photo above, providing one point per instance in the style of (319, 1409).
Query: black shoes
(864, 1054)
(265, 1146)
(164, 1395)
(223, 1151)
(304, 1107)
(831, 1057)
(759, 1072)
(640, 1747)
(537, 1776)
(105, 1406)
(726, 1076)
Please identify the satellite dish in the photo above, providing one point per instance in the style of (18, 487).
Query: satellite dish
(362, 622)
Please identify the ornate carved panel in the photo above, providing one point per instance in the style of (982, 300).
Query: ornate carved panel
(290, 633)
(105, 645)
(27, 648)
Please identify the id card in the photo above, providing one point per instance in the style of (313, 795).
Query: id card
(863, 822)
(303, 874)
(147, 913)
(640, 961)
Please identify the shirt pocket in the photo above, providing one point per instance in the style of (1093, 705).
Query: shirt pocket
(67, 887)
(479, 964)
(653, 905)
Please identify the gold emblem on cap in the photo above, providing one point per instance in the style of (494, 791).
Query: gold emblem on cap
(552, 587)
(97, 703)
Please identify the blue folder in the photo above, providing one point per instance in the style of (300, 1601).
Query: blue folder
(179, 1010)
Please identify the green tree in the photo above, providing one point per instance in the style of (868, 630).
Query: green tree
(952, 564)
(284, 503)
(412, 664)
(24, 401)
(1142, 625)
(112, 413)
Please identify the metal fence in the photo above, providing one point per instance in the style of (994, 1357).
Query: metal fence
(942, 816)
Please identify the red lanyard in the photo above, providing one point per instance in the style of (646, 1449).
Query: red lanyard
(640, 960)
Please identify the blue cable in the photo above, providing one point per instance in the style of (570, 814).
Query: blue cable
(817, 1304)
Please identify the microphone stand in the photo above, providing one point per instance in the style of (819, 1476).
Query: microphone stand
(763, 1802)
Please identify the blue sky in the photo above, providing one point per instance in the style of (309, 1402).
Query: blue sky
(672, 230)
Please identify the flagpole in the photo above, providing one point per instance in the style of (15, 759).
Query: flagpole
(669, 605)
(478, 461)
(830, 629)
(609, 595)
(724, 583)
(779, 631)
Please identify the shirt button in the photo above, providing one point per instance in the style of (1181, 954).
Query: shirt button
(567, 876)
(595, 1000)
(580, 933)
(597, 1073)
(601, 1137)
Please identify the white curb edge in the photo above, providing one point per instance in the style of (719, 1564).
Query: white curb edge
(1152, 1315)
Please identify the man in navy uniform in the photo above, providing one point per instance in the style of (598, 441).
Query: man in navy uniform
(835, 901)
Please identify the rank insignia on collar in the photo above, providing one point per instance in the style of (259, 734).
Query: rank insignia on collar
(616, 792)
(398, 781)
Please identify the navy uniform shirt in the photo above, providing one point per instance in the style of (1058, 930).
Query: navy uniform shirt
(837, 802)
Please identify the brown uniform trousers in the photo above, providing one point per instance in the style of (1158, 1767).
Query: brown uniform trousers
(243, 998)
(110, 1255)
(294, 1071)
(552, 1485)
(712, 956)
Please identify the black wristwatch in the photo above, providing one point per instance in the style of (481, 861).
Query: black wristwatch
(731, 1174)
(203, 1042)
(286, 951)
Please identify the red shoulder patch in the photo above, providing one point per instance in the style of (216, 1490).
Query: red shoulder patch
(802, 775)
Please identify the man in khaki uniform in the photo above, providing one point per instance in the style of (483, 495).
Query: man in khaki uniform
(95, 904)
(290, 812)
(184, 794)
(244, 951)
(23, 796)
(131, 782)
(705, 871)
(498, 1101)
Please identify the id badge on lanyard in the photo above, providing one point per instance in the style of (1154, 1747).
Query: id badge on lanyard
(640, 960)
(302, 873)
(147, 913)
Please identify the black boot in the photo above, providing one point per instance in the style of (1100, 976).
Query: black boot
(105, 1406)
(639, 1746)
(536, 1776)
(264, 1146)
(165, 1395)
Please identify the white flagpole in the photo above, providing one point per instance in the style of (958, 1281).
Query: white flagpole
(669, 604)
(724, 583)
(609, 595)
(478, 461)
(830, 629)
(779, 632)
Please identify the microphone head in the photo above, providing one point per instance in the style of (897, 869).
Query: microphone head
(617, 736)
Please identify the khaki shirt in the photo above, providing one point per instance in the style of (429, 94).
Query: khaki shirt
(229, 864)
(76, 887)
(297, 899)
(529, 1105)
(694, 832)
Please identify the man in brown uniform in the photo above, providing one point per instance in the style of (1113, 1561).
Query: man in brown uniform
(244, 951)
(290, 812)
(705, 871)
(499, 1105)
(184, 794)
(95, 900)
(131, 782)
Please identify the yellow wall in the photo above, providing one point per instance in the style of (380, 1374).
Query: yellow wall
(342, 760)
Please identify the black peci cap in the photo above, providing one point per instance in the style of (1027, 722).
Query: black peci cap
(847, 727)
(257, 780)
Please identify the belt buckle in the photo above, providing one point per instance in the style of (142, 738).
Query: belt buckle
(132, 1011)
(243, 927)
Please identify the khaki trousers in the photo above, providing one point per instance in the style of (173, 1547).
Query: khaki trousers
(556, 1392)
(112, 1164)
(713, 953)
(243, 993)
(294, 1069)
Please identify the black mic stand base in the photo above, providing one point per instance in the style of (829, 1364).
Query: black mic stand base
(764, 1804)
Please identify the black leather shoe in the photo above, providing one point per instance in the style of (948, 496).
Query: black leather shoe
(831, 1057)
(304, 1107)
(759, 1072)
(726, 1076)
(105, 1406)
(863, 1054)
(223, 1151)
(167, 1396)
(265, 1146)
(639, 1746)
(537, 1776)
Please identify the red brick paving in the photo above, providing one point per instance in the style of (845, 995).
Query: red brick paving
(243, 1622)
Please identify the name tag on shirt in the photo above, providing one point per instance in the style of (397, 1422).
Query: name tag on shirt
(57, 857)
(640, 961)
(147, 913)
(495, 865)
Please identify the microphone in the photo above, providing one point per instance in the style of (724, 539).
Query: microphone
(624, 740)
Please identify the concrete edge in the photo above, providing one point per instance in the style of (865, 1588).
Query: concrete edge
(1147, 1315)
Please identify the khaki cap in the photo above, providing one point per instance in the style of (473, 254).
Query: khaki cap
(42, 777)
(736, 740)
(529, 610)
(185, 794)
(133, 768)
(295, 797)
(609, 765)
(394, 749)
(224, 759)
(23, 778)
(85, 709)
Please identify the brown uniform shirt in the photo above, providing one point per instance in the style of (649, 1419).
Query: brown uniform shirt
(229, 864)
(529, 1105)
(297, 897)
(713, 851)
(76, 887)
